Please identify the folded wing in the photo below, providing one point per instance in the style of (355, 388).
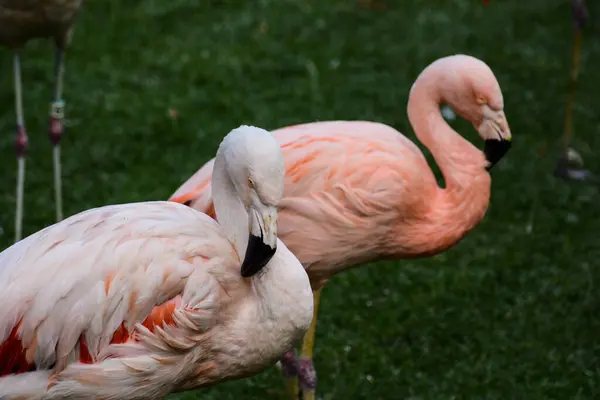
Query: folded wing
(99, 283)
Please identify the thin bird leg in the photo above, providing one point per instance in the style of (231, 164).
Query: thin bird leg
(580, 15)
(307, 375)
(56, 128)
(289, 367)
(568, 127)
(21, 146)
(570, 164)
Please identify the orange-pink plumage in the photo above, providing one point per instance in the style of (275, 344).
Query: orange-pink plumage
(18, 359)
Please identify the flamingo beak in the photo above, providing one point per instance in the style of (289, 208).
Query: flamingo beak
(262, 241)
(496, 131)
(494, 150)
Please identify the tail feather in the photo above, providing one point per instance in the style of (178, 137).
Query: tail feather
(136, 378)
(142, 377)
(29, 385)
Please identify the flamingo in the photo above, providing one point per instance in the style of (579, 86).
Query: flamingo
(21, 21)
(570, 163)
(135, 301)
(357, 191)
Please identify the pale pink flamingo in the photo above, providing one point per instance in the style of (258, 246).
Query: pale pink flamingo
(357, 191)
(21, 21)
(135, 301)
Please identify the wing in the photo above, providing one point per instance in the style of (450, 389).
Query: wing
(331, 160)
(113, 274)
(320, 156)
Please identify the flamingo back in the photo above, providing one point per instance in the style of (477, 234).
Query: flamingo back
(344, 181)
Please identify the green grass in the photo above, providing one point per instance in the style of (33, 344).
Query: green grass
(512, 312)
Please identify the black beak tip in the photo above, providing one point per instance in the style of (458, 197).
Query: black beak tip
(258, 254)
(494, 150)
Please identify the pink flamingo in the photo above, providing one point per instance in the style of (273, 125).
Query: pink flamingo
(21, 21)
(357, 191)
(135, 301)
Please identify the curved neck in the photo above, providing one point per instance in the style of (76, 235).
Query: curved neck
(456, 209)
(229, 209)
(459, 160)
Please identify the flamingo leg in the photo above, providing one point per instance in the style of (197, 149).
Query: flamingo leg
(289, 367)
(21, 145)
(570, 163)
(307, 375)
(56, 128)
(568, 127)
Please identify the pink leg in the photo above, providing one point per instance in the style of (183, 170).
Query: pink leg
(21, 146)
(56, 128)
(289, 368)
(307, 376)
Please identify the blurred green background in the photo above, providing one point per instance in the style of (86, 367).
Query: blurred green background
(512, 312)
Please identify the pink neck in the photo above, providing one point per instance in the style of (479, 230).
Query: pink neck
(455, 210)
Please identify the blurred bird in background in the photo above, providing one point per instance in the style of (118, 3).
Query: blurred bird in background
(570, 163)
(20, 21)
